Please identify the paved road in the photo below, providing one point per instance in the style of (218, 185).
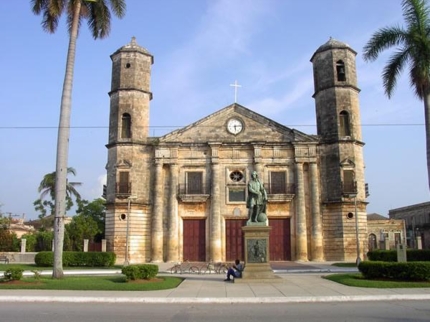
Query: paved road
(393, 311)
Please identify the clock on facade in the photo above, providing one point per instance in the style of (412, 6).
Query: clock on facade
(234, 126)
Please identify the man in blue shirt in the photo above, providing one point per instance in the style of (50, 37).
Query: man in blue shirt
(234, 271)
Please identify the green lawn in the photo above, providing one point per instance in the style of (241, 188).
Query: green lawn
(85, 283)
(357, 280)
(94, 283)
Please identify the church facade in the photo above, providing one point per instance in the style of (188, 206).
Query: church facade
(182, 196)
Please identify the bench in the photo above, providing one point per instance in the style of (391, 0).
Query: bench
(4, 258)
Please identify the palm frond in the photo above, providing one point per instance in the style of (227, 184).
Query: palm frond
(383, 39)
(118, 7)
(71, 170)
(37, 6)
(393, 69)
(419, 80)
(51, 11)
(99, 19)
(415, 13)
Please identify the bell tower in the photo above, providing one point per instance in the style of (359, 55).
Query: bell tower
(127, 199)
(341, 150)
(130, 94)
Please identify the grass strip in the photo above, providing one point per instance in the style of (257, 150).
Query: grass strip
(94, 283)
(357, 280)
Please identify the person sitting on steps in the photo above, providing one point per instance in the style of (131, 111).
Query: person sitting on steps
(234, 271)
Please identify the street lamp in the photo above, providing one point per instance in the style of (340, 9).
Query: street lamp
(126, 261)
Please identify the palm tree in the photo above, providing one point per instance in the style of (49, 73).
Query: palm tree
(413, 49)
(47, 187)
(98, 17)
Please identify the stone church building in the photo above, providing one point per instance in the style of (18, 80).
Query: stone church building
(182, 196)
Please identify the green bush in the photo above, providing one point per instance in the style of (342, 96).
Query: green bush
(418, 255)
(77, 259)
(382, 255)
(13, 274)
(144, 271)
(412, 255)
(44, 259)
(404, 271)
(131, 272)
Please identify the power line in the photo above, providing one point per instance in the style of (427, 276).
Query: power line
(183, 126)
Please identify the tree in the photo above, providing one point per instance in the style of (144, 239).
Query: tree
(413, 49)
(8, 240)
(81, 227)
(47, 187)
(89, 223)
(98, 17)
(96, 211)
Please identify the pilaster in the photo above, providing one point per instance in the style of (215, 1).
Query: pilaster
(301, 236)
(172, 242)
(215, 214)
(317, 235)
(157, 216)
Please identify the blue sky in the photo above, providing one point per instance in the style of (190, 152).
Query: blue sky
(200, 48)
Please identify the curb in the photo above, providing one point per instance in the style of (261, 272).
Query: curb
(203, 300)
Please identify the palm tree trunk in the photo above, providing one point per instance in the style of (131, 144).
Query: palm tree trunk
(63, 148)
(427, 126)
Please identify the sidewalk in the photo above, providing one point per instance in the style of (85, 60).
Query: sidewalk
(301, 283)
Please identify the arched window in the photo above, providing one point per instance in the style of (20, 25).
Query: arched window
(344, 128)
(340, 71)
(372, 242)
(126, 126)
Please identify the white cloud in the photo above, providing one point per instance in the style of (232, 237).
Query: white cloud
(298, 93)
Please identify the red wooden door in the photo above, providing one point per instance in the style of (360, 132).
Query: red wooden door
(280, 239)
(234, 239)
(194, 240)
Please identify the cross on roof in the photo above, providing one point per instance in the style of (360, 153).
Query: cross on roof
(235, 85)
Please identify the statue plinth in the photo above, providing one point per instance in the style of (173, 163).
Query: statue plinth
(257, 267)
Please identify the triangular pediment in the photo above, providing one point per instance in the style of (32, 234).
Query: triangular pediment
(347, 163)
(236, 123)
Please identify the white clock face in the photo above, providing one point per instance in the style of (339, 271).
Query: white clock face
(234, 126)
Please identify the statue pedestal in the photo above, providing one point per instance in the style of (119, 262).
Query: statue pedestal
(257, 267)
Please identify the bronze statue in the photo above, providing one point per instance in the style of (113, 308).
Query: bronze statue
(257, 198)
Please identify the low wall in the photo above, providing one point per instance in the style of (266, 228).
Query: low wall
(20, 258)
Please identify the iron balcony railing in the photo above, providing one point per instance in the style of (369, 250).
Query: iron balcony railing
(192, 189)
(278, 189)
(123, 188)
(349, 188)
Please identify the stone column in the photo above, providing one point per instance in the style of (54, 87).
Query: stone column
(301, 238)
(86, 241)
(172, 249)
(215, 217)
(23, 244)
(419, 242)
(317, 240)
(215, 213)
(157, 215)
(104, 245)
